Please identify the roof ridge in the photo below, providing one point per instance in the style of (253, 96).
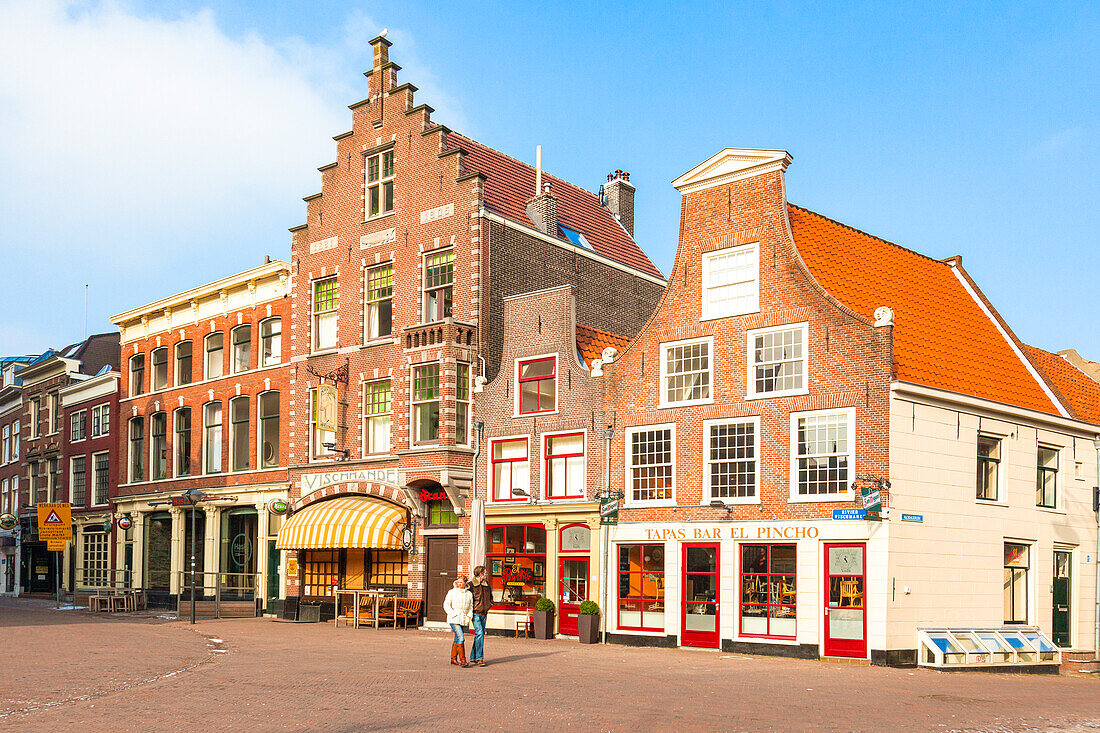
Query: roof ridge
(1068, 363)
(531, 167)
(601, 331)
(867, 234)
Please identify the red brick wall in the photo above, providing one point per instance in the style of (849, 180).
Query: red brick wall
(88, 447)
(849, 360)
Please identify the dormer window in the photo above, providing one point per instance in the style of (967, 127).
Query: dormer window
(731, 282)
(536, 389)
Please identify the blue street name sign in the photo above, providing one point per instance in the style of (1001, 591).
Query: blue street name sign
(912, 517)
(849, 513)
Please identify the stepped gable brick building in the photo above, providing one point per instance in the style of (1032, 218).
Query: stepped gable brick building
(45, 455)
(541, 464)
(797, 371)
(399, 276)
(204, 402)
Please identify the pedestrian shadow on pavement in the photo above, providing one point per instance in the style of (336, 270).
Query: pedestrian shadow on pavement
(490, 661)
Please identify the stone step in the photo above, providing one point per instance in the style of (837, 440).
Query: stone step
(1079, 660)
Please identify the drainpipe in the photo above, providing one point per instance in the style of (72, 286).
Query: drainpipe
(1096, 637)
(605, 531)
(478, 427)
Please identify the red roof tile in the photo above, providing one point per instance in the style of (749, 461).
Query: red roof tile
(1077, 388)
(592, 341)
(942, 337)
(509, 184)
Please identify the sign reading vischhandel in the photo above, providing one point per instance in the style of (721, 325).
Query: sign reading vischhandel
(314, 481)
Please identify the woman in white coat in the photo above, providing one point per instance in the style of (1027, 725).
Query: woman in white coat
(459, 605)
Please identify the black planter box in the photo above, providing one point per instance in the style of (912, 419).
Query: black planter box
(588, 628)
(544, 624)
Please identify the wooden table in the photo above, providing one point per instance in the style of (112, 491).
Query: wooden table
(357, 594)
(378, 595)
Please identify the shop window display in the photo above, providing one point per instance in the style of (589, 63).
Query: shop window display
(642, 587)
(517, 565)
(768, 590)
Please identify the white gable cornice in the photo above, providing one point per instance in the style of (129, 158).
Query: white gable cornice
(731, 164)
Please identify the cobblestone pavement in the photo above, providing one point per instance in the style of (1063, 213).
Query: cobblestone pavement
(67, 670)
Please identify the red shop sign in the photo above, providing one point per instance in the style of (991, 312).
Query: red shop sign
(426, 496)
(517, 574)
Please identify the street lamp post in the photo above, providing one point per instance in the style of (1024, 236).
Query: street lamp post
(193, 497)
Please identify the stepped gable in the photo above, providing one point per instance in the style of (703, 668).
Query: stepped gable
(509, 184)
(1081, 392)
(942, 336)
(592, 341)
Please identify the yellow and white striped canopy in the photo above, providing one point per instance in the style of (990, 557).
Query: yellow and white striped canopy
(346, 521)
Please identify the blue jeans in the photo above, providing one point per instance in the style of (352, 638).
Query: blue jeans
(459, 637)
(477, 652)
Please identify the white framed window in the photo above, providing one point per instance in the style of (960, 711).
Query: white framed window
(181, 464)
(731, 460)
(462, 404)
(686, 372)
(269, 429)
(212, 437)
(183, 363)
(239, 442)
(159, 377)
(77, 480)
(15, 441)
(15, 494)
(78, 428)
(101, 420)
(241, 337)
(731, 282)
(54, 467)
(651, 465)
(511, 469)
(271, 341)
(213, 345)
(35, 408)
(564, 475)
(322, 443)
(137, 448)
(380, 184)
(439, 275)
(7, 443)
(325, 302)
(378, 302)
(377, 417)
(95, 556)
(989, 468)
(158, 446)
(7, 496)
(778, 361)
(55, 413)
(823, 455)
(137, 374)
(425, 403)
(102, 464)
(1046, 478)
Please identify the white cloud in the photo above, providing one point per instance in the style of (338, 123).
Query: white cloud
(123, 133)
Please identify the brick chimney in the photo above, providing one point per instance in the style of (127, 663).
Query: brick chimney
(383, 74)
(543, 211)
(618, 197)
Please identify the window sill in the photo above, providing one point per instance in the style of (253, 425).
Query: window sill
(662, 503)
(325, 352)
(733, 500)
(715, 317)
(846, 497)
(379, 217)
(378, 342)
(691, 403)
(991, 502)
(1051, 510)
(770, 395)
(541, 413)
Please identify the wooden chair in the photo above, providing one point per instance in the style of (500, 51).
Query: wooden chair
(408, 608)
(849, 589)
(786, 593)
(387, 611)
(141, 599)
(525, 624)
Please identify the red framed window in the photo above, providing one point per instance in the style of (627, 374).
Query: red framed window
(564, 472)
(511, 469)
(641, 587)
(538, 385)
(768, 590)
(516, 556)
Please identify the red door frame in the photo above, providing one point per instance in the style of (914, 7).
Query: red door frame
(567, 618)
(701, 638)
(844, 647)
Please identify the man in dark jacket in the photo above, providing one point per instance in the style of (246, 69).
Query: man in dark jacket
(483, 601)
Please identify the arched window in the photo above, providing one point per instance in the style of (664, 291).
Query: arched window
(242, 348)
(137, 374)
(271, 341)
(269, 429)
(183, 363)
(137, 448)
(212, 437)
(213, 364)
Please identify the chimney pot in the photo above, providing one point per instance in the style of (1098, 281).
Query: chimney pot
(618, 197)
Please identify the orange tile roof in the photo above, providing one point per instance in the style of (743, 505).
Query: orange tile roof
(592, 341)
(942, 337)
(1076, 388)
(509, 184)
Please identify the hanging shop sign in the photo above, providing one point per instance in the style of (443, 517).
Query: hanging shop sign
(609, 510)
(55, 524)
(872, 503)
(426, 496)
(327, 403)
(278, 506)
(313, 481)
(8, 521)
(125, 523)
(188, 498)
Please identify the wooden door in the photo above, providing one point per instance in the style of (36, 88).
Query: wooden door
(442, 570)
(845, 600)
(1061, 598)
(573, 588)
(699, 605)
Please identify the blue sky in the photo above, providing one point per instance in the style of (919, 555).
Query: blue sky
(148, 147)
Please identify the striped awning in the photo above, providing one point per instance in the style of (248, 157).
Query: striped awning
(346, 521)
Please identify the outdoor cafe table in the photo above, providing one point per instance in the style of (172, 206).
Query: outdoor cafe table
(356, 595)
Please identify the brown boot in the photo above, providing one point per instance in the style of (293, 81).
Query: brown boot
(462, 655)
(454, 652)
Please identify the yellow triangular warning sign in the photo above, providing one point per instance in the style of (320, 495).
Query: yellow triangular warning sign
(53, 518)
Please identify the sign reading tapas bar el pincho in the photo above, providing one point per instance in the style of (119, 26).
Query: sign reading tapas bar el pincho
(314, 481)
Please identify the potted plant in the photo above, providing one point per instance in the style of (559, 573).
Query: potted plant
(543, 617)
(588, 622)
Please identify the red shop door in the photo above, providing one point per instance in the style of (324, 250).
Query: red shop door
(699, 617)
(573, 588)
(845, 600)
